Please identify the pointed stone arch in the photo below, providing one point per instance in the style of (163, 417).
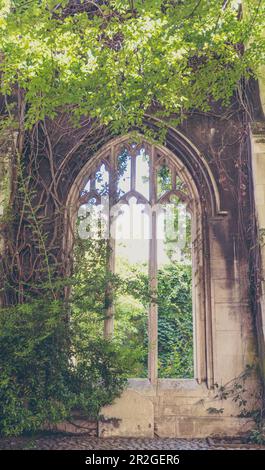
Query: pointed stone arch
(196, 173)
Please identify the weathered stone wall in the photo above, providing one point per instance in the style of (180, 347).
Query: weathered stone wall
(258, 169)
(213, 147)
(171, 409)
(186, 408)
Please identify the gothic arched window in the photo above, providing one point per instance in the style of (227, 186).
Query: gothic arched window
(141, 198)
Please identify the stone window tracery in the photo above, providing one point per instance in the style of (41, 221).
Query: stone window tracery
(142, 174)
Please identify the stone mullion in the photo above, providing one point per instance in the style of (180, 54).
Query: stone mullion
(109, 320)
(133, 172)
(93, 182)
(197, 298)
(153, 310)
(173, 178)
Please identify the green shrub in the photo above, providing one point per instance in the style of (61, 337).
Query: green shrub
(33, 366)
(50, 367)
(175, 321)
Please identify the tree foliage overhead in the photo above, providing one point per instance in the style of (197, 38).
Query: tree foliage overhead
(116, 60)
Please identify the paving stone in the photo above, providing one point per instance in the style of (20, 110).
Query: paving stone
(85, 442)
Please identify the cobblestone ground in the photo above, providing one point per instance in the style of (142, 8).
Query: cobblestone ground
(85, 442)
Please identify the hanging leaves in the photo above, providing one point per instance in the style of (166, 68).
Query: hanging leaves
(115, 60)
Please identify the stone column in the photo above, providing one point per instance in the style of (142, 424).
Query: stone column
(153, 308)
(258, 169)
(262, 87)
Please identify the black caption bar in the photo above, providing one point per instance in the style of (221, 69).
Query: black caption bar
(119, 459)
